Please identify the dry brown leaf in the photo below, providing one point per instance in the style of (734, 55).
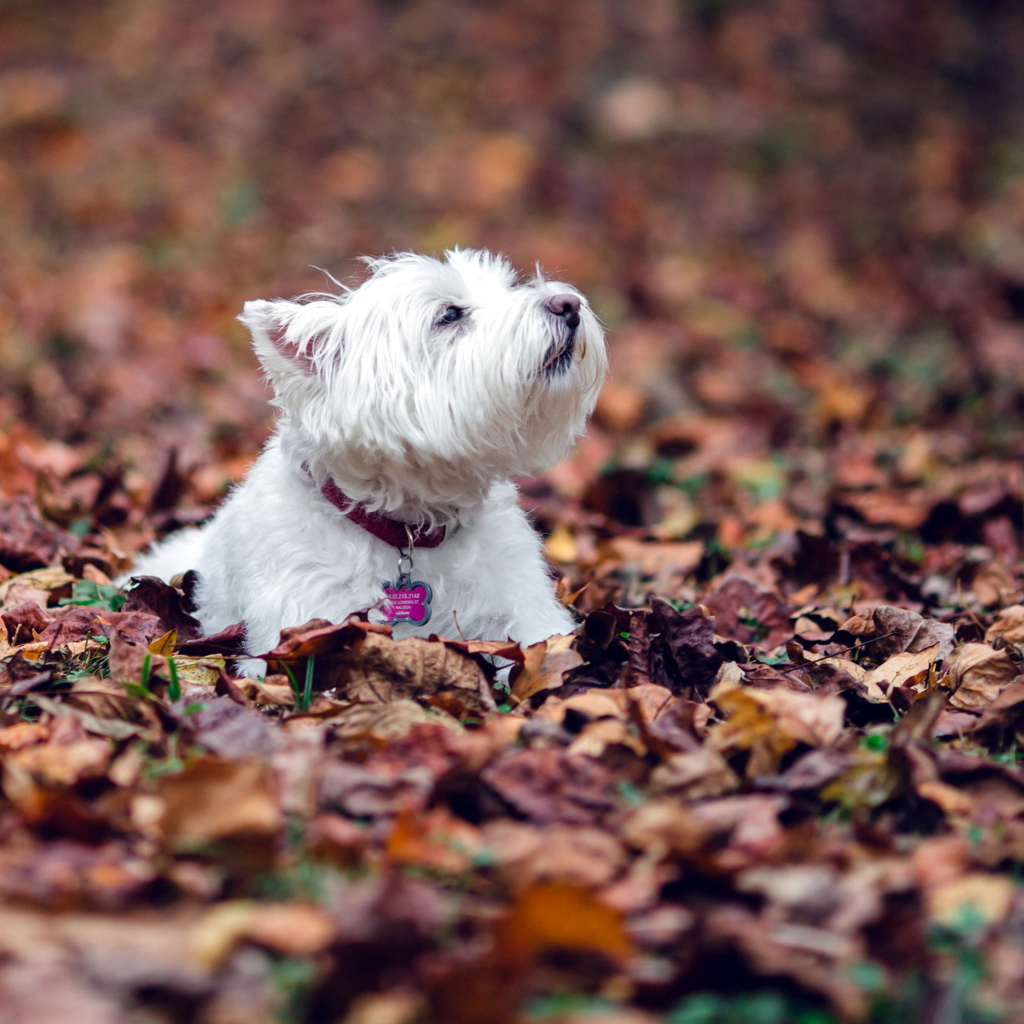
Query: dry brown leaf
(34, 586)
(291, 929)
(695, 775)
(1009, 625)
(899, 670)
(66, 756)
(665, 824)
(545, 667)
(274, 691)
(377, 668)
(952, 800)
(606, 732)
(653, 559)
(978, 674)
(771, 722)
(384, 721)
(214, 800)
(591, 703)
(995, 584)
(526, 855)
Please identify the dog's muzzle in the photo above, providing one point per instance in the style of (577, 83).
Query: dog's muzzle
(565, 308)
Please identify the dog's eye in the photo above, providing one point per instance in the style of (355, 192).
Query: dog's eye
(451, 315)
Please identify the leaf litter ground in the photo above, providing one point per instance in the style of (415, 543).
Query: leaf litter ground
(773, 782)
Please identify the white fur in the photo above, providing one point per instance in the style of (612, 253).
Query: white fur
(420, 419)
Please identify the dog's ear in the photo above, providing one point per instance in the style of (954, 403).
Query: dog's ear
(280, 346)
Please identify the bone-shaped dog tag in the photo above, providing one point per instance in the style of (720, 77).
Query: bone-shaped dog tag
(406, 601)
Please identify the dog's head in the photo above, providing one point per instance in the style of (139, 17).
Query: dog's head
(432, 379)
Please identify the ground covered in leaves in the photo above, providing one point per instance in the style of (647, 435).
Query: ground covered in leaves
(775, 776)
(777, 782)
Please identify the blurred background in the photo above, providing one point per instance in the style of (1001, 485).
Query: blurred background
(800, 220)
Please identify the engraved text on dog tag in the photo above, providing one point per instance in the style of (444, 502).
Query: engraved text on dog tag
(406, 601)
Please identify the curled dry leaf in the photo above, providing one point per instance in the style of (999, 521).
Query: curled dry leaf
(36, 585)
(1009, 625)
(387, 721)
(205, 671)
(590, 705)
(366, 665)
(771, 722)
(385, 670)
(978, 674)
(274, 691)
(155, 597)
(888, 630)
(545, 667)
(682, 655)
(901, 669)
(596, 737)
(24, 622)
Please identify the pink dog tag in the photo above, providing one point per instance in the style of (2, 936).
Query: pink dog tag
(406, 602)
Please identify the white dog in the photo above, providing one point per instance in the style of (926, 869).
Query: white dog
(406, 404)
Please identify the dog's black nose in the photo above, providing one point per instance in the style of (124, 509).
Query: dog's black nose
(567, 306)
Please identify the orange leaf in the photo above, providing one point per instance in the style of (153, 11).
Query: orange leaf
(561, 916)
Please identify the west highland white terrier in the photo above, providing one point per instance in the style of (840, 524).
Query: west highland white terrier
(406, 404)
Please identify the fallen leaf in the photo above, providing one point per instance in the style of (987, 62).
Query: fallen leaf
(213, 800)
(289, 929)
(683, 657)
(527, 855)
(26, 541)
(66, 756)
(695, 775)
(548, 786)
(978, 674)
(366, 665)
(1009, 624)
(154, 597)
(384, 721)
(899, 670)
(32, 583)
(545, 666)
(771, 722)
(559, 916)
(596, 737)
(435, 840)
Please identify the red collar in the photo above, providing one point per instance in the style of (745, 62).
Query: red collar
(391, 531)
